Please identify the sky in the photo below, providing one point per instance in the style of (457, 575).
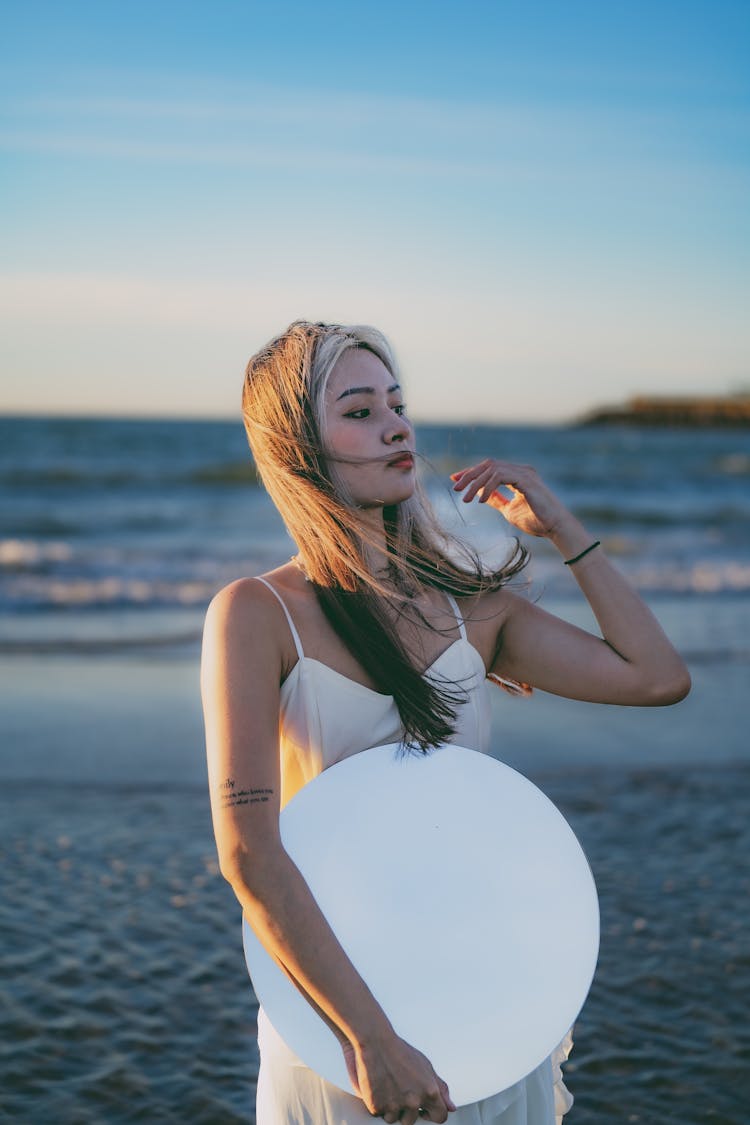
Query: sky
(543, 205)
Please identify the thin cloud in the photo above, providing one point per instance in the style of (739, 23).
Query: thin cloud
(247, 154)
(353, 132)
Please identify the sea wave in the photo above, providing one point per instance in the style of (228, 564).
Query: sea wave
(702, 577)
(26, 553)
(733, 464)
(233, 472)
(65, 476)
(22, 587)
(609, 515)
(111, 591)
(88, 646)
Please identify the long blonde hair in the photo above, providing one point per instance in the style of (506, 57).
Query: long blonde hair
(284, 417)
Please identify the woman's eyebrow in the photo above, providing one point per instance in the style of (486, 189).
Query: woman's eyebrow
(366, 391)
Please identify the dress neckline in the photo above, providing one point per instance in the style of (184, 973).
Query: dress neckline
(382, 695)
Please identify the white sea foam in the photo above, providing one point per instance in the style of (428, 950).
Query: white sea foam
(27, 552)
(107, 591)
(702, 577)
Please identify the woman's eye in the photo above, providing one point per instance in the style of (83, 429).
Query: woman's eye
(364, 411)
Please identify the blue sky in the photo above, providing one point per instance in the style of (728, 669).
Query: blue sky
(545, 205)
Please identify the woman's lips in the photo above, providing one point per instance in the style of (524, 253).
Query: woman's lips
(405, 461)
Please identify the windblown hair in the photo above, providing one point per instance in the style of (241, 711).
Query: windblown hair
(284, 417)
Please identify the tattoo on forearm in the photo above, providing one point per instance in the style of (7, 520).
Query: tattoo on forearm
(231, 796)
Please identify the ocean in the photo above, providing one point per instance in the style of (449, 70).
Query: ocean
(124, 986)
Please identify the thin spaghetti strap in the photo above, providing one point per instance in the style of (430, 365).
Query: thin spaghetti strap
(282, 603)
(459, 618)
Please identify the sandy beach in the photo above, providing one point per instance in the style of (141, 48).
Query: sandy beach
(128, 996)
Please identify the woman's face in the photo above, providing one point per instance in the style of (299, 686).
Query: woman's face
(366, 426)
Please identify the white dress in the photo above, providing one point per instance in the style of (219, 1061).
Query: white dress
(325, 717)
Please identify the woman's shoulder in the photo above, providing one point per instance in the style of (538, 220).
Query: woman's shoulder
(247, 604)
(246, 650)
(485, 614)
(488, 603)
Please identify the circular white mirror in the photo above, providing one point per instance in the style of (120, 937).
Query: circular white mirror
(463, 898)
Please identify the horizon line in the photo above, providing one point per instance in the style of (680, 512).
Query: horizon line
(26, 415)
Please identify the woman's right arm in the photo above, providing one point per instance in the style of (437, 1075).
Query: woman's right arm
(241, 671)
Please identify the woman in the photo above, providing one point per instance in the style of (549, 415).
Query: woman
(362, 632)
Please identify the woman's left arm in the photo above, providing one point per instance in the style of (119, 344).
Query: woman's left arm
(632, 663)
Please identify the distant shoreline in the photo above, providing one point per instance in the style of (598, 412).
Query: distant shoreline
(685, 411)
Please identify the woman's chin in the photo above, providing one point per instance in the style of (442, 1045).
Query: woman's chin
(397, 496)
(389, 498)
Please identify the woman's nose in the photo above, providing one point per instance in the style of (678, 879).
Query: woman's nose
(397, 431)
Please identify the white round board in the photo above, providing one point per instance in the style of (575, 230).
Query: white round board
(463, 898)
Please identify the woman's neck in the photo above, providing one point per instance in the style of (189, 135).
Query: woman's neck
(373, 541)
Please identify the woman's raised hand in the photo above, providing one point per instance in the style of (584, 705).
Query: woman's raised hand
(397, 1082)
(532, 508)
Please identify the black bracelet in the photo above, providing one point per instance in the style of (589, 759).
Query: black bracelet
(569, 562)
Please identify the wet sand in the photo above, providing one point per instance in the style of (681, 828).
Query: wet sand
(127, 996)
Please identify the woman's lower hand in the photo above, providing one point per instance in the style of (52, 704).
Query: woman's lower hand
(397, 1082)
(532, 508)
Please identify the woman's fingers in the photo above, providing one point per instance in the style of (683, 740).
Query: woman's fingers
(436, 1106)
(433, 1106)
(531, 508)
(497, 500)
(487, 477)
(474, 479)
(401, 1085)
(484, 486)
(409, 1116)
(446, 1095)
